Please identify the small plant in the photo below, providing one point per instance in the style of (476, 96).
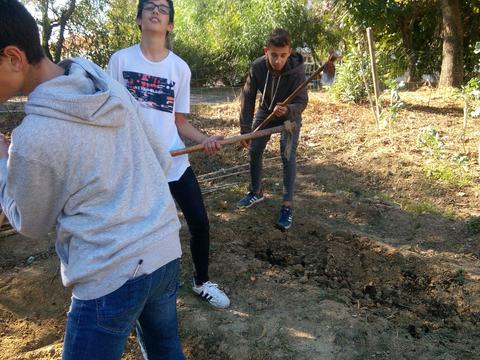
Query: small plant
(429, 142)
(450, 173)
(460, 277)
(470, 95)
(473, 225)
(390, 115)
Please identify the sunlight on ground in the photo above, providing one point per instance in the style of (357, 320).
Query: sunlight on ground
(239, 313)
(300, 334)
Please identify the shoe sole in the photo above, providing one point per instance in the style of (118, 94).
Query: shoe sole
(217, 306)
(249, 205)
(283, 228)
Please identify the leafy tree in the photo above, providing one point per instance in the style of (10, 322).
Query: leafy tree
(53, 17)
(435, 34)
(219, 38)
(406, 20)
(98, 29)
(88, 35)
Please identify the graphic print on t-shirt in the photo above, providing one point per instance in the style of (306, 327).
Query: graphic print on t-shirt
(151, 91)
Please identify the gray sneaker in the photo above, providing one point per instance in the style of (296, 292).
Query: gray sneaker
(250, 199)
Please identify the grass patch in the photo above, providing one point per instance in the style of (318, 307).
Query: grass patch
(426, 207)
(378, 195)
(448, 173)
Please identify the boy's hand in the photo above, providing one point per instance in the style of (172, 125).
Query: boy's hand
(4, 144)
(245, 143)
(211, 144)
(280, 110)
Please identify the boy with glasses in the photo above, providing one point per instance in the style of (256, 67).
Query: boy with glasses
(160, 81)
(82, 161)
(275, 75)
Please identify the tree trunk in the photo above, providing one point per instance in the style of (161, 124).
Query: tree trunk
(64, 18)
(406, 28)
(452, 55)
(46, 28)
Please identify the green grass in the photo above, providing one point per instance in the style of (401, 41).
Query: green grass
(426, 207)
(378, 195)
(448, 173)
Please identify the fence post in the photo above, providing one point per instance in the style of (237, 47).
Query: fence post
(373, 65)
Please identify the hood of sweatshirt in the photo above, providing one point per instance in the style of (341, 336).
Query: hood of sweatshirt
(82, 95)
(294, 65)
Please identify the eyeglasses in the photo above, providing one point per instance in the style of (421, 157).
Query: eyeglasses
(162, 9)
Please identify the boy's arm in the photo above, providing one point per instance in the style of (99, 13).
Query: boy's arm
(30, 194)
(247, 103)
(299, 102)
(187, 130)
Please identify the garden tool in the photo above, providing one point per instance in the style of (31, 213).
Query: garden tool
(289, 126)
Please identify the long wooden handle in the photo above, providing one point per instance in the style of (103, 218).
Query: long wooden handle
(232, 140)
(289, 99)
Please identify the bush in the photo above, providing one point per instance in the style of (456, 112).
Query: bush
(348, 85)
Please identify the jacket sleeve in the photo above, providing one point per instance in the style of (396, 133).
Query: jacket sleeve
(299, 102)
(247, 103)
(32, 195)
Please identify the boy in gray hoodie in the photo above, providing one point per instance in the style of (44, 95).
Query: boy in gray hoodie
(82, 163)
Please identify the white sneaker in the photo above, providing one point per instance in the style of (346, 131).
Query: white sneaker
(210, 292)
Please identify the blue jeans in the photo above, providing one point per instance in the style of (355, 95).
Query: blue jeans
(99, 328)
(186, 192)
(257, 147)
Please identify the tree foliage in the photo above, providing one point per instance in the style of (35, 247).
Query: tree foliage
(219, 38)
(422, 28)
(53, 20)
(98, 29)
(410, 24)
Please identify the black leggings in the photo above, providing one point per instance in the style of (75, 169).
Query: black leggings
(188, 196)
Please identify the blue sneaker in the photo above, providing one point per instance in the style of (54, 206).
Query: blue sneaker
(250, 199)
(285, 219)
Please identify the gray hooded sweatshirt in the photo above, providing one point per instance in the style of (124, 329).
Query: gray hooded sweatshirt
(82, 161)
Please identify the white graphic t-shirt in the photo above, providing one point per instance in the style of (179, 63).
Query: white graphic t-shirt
(162, 89)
